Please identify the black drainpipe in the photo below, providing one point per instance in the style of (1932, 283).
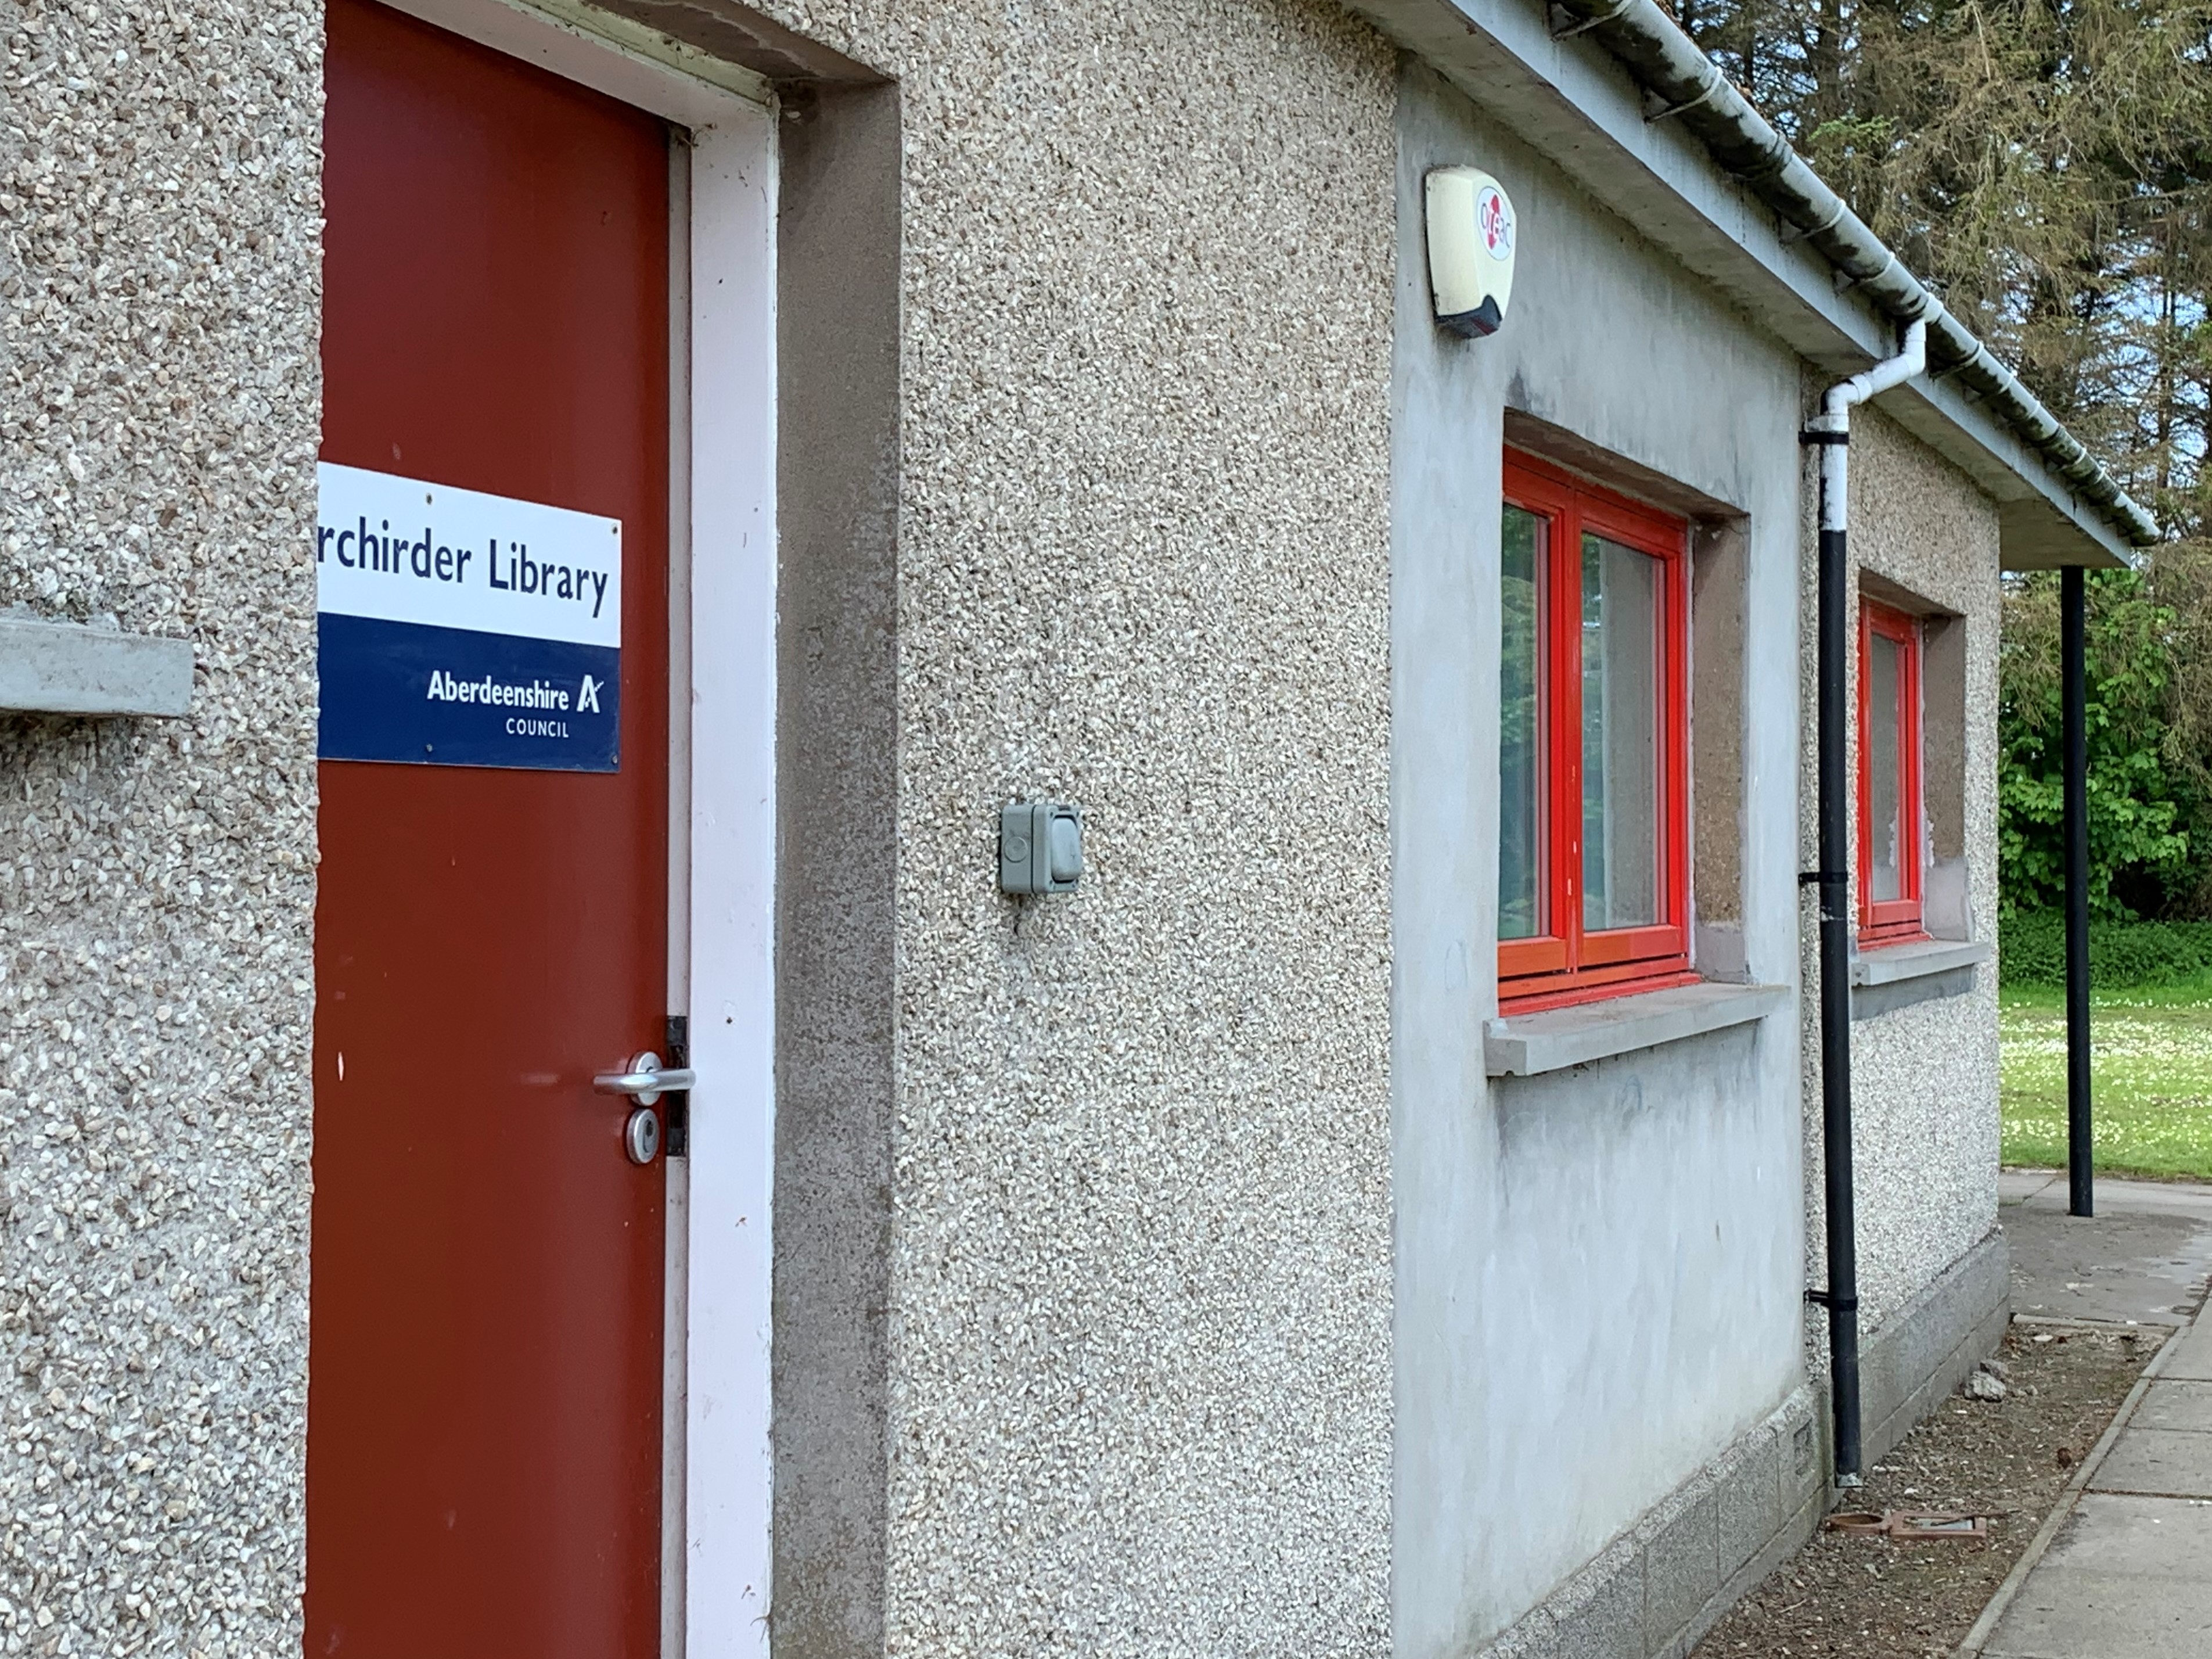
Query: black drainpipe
(1831, 431)
(1841, 1298)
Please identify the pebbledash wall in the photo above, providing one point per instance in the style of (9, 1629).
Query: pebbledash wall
(1127, 1227)
(159, 403)
(1091, 1252)
(1138, 1246)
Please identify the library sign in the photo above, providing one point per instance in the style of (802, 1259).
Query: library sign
(460, 628)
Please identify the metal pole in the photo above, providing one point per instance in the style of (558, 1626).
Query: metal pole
(2073, 653)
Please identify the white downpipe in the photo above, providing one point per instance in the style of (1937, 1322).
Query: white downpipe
(1835, 416)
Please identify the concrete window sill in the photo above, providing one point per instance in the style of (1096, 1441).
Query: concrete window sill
(1527, 1044)
(1890, 964)
(65, 667)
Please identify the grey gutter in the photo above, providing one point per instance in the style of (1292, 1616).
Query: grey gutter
(1691, 88)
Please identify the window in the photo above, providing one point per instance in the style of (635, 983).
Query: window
(1890, 835)
(1592, 846)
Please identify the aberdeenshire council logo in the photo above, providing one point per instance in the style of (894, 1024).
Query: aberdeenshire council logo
(536, 694)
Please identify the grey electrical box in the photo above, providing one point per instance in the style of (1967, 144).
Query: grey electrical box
(1040, 847)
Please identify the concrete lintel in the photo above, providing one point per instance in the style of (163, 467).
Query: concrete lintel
(1890, 964)
(66, 667)
(1527, 1044)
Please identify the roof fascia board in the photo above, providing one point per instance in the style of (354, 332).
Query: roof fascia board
(2042, 525)
(1576, 105)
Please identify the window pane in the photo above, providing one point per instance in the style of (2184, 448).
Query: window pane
(1521, 747)
(1887, 805)
(1620, 735)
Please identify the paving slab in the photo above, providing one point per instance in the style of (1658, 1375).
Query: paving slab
(2145, 1257)
(2056, 1617)
(2192, 1358)
(2067, 1616)
(2128, 1573)
(2046, 1189)
(2126, 1578)
(2018, 1186)
(2166, 1461)
(2135, 1537)
(2184, 1406)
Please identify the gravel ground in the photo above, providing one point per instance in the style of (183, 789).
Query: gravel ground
(2009, 1459)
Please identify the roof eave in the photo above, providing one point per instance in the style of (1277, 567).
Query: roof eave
(1595, 114)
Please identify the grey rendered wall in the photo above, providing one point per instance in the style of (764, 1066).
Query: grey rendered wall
(1598, 1270)
(1138, 1310)
(159, 397)
(1924, 1075)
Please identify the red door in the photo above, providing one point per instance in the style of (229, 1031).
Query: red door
(484, 1458)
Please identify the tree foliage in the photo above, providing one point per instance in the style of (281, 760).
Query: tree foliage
(2140, 814)
(2047, 165)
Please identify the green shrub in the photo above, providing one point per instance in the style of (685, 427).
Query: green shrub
(2122, 955)
(2032, 947)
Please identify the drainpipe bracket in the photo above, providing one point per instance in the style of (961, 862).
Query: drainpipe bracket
(1564, 22)
(1658, 109)
(1790, 233)
(1835, 891)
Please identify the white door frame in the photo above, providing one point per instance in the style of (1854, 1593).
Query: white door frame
(722, 560)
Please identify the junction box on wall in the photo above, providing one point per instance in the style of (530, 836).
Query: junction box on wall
(1040, 847)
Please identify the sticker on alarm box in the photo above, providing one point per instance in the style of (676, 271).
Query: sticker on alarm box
(460, 628)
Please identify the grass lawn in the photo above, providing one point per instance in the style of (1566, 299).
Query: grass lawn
(2151, 1071)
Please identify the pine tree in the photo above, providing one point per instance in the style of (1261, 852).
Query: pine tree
(2047, 168)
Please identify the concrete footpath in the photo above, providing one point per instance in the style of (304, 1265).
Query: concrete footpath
(2122, 1569)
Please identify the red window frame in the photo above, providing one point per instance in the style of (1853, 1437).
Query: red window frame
(1564, 964)
(1899, 920)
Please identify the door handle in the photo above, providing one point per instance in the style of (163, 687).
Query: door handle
(646, 1080)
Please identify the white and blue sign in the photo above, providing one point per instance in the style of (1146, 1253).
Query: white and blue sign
(459, 629)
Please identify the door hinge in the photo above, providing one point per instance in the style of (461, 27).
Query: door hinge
(676, 1105)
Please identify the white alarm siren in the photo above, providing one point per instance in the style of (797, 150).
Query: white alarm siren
(1472, 233)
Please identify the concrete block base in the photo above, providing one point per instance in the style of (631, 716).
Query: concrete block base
(1656, 1590)
(1923, 1352)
